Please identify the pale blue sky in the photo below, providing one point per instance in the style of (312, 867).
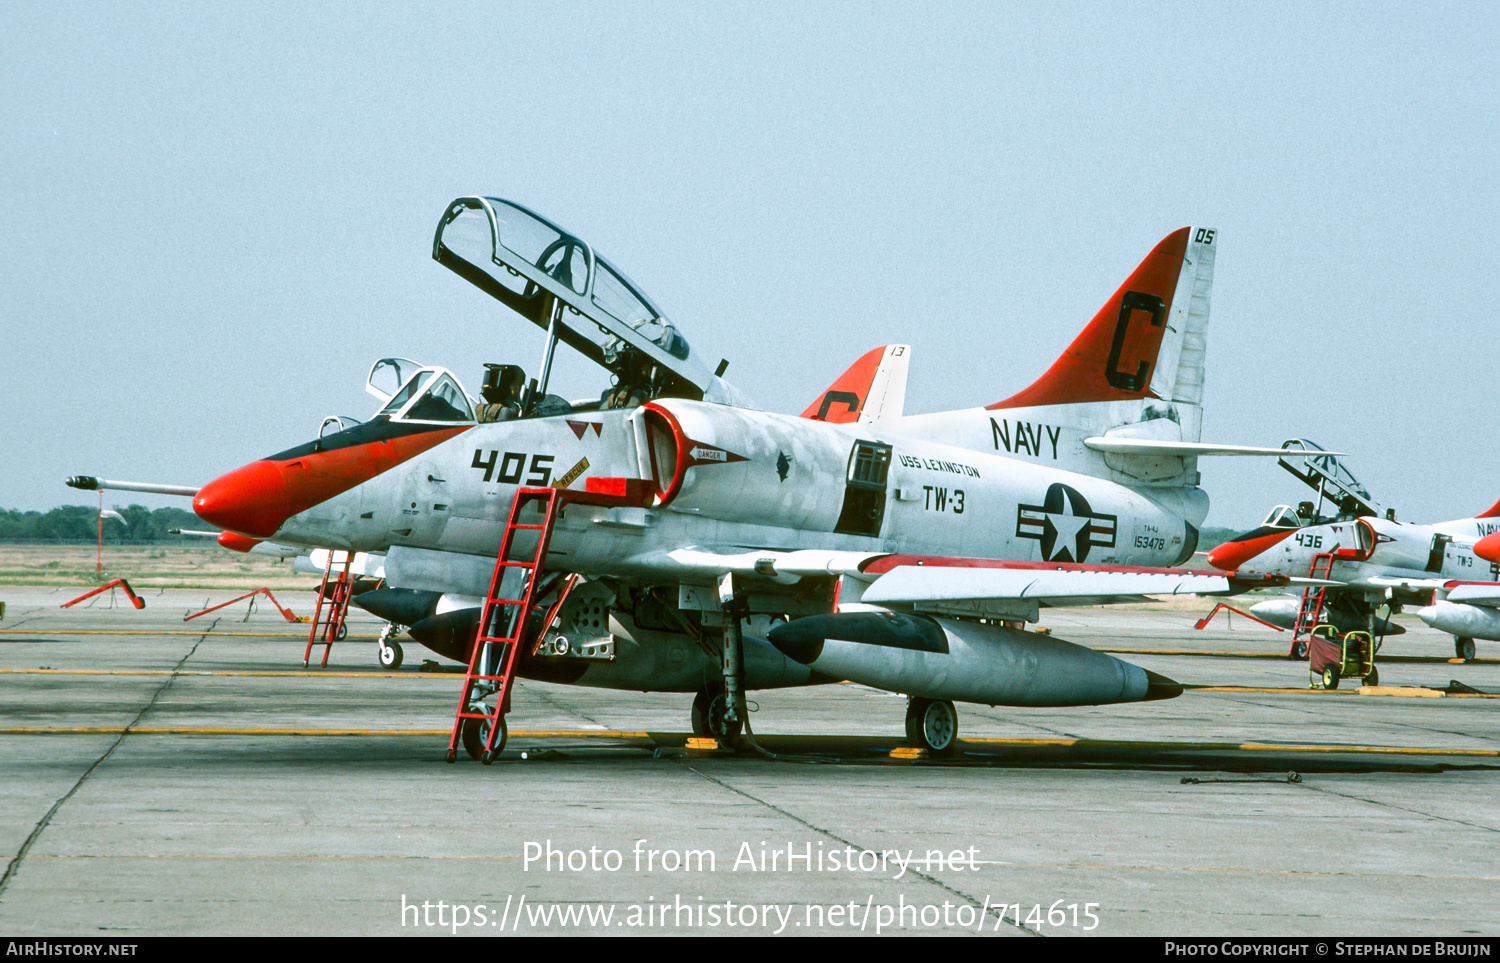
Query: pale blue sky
(217, 216)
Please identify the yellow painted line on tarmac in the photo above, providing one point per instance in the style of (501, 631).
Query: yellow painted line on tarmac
(1233, 655)
(1134, 745)
(235, 672)
(1260, 688)
(256, 635)
(237, 731)
(1231, 746)
(1282, 657)
(1396, 691)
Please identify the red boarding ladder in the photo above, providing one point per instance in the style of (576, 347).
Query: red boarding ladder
(336, 594)
(503, 621)
(1311, 612)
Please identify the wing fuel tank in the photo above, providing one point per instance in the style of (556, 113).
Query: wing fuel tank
(1459, 619)
(1283, 612)
(938, 658)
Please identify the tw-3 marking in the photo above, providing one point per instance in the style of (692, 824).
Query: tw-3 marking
(937, 499)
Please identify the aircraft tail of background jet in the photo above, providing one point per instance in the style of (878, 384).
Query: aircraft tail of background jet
(873, 389)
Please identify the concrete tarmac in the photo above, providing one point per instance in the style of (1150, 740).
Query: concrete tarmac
(162, 777)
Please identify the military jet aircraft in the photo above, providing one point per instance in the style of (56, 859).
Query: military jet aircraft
(667, 535)
(1370, 561)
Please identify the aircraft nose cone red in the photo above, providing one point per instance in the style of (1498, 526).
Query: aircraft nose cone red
(1488, 548)
(251, 500)
(1235, 553)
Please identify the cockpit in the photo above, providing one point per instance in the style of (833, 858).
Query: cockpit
(427, 395)
(559, 283)
(1340, 494)
(1282, 516)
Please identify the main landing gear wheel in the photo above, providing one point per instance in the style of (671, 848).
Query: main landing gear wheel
(1463, 648)
(709, 710)
(476, 731)
(1298, 652)
(932, 724)
(390, 654)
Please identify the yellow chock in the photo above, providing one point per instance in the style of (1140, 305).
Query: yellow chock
(696, 742)
(908, 752)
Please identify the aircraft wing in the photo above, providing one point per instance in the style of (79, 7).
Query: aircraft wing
(966, 586)
(1393, 581)
(919, 584)
(1474, 593)
(1152, 446)
(1006, 589)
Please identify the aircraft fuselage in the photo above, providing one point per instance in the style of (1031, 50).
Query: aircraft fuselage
(723, 477)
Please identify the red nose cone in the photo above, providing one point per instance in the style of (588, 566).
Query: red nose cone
(1229, 556)
(1233, 555)
(1488, 548)
(251, 500)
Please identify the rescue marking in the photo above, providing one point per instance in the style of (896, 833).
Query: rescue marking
(572, 475)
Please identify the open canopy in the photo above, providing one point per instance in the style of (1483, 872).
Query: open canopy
(559, 283)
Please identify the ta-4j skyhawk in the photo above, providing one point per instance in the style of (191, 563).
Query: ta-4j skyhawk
(667, 535)
(1446, 568)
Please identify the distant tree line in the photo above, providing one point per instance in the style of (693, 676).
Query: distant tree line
(70, 522)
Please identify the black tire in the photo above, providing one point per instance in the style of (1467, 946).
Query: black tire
(1463, 648)
(709, 710)
(1372, 677)
(932, 724)
(342, 633)
(1298, 652)
(390, 655)
(474, 734)
(1331, 677)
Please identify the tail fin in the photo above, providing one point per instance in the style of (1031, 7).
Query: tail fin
(873, 389)
(1147, 341)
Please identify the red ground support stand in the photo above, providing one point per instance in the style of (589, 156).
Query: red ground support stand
(336, 594)
(1203, 622)
(503, 621)
(251, 596)
(135, 600)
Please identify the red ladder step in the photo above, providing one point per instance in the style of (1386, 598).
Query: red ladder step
(502, 630)
(1313, 596)
(336, 594)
